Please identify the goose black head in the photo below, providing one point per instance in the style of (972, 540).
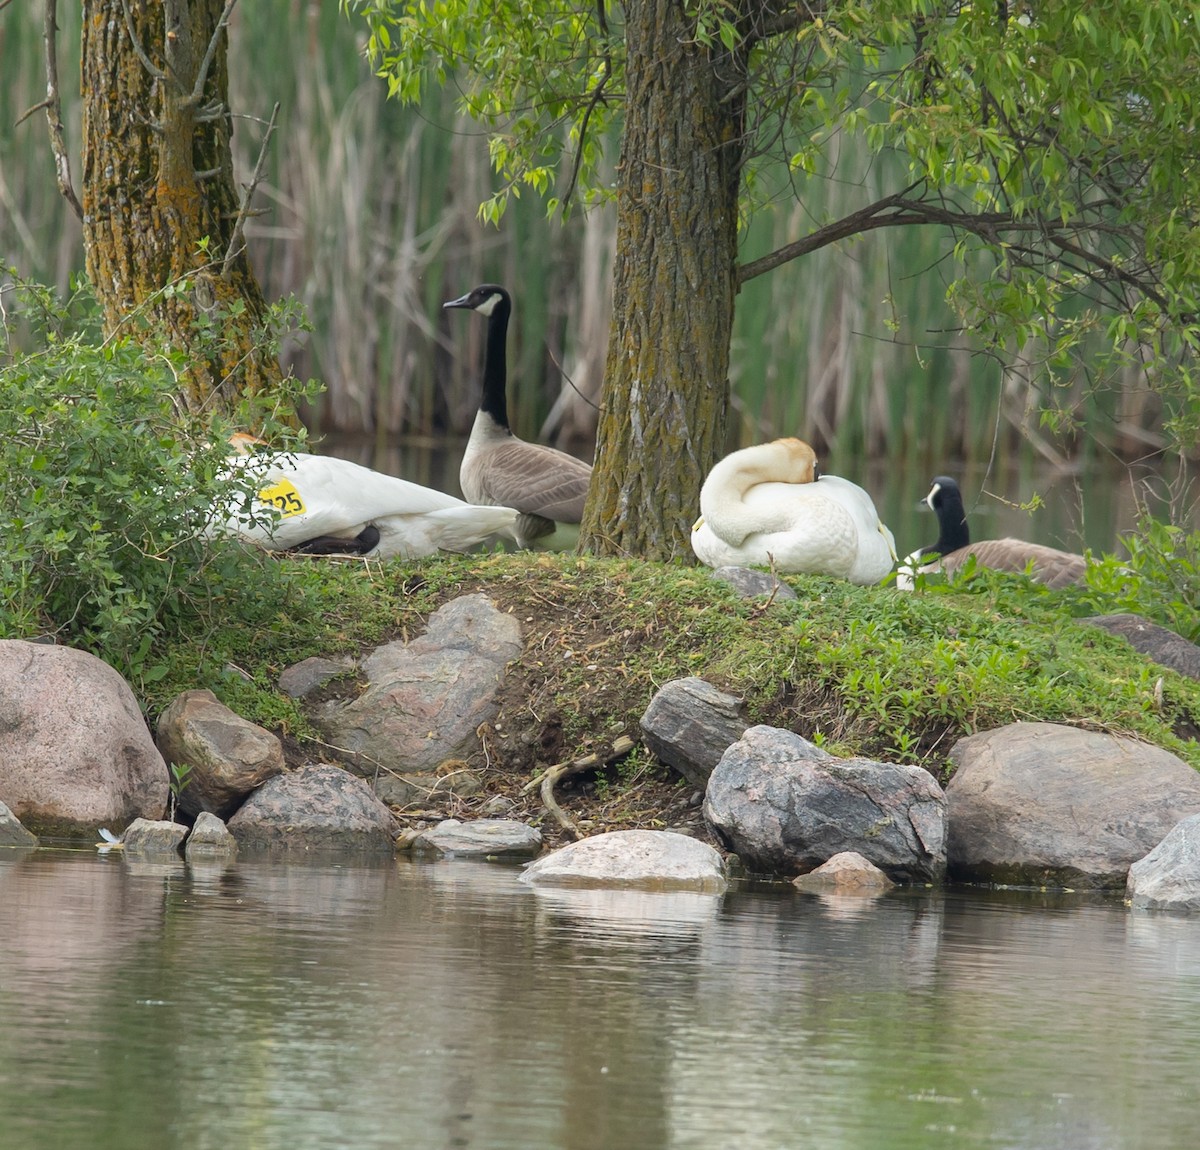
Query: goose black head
(485, 299)
(946, 500)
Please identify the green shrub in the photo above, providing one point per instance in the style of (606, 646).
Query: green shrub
(106, 489)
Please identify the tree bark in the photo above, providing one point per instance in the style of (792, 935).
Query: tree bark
(666, 386)
(159, 199)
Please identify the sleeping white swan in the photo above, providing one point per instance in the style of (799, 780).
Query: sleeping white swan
(768, 504)
(328, 506)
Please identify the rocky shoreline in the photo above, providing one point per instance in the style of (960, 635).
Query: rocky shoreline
(1029, 804)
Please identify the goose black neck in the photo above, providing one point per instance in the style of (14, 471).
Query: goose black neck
(495, 372)
(953, 532)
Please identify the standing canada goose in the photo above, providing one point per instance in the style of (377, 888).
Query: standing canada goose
(953, 548)
(320, 505)
(769, 505)
(546, 486)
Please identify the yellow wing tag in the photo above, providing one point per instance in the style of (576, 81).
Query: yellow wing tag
(284, 497)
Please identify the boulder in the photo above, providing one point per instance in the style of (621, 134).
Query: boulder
(425, 699)
(227, 756)
(688, 725)
(75, 752)
(148, 838)
(1042, 804)
(1164, 647)
(646, 860)
(785, 806)
(305, 678)
(12, 834)
(210, 839)
(480, 838)
(1168, 878)
(751, 584)
(847, 873)
(313, 809)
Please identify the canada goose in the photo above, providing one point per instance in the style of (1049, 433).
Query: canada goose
(769, 505)
(328, 506)
(953, 548)
(545, 485)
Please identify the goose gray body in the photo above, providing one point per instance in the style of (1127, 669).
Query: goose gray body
(546, 486)
(1047, 565)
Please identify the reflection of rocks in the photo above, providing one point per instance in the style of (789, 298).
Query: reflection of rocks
(226, 756)
(1040, 804)
(650, 860)
(314, 809)
(425, 699)
(75, 753)
(785, 806)
(1168, 878)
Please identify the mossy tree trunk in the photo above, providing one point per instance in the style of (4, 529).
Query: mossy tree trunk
(666, 385)
(160, 205)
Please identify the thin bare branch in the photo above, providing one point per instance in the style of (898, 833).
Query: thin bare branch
(53, 106)
(206, 63)
(236, 244)
(147, 63)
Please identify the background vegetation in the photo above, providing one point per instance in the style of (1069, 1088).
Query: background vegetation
(371, 222)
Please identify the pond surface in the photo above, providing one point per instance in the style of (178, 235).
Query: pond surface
(442, 1005)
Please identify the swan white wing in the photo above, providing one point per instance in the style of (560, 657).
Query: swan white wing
(446, 529)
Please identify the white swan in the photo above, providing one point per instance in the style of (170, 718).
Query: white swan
(321, 505)
(767, 505)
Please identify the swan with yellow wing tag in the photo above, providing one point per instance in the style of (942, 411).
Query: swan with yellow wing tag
(321, 505)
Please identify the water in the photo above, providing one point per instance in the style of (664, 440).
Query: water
(443, 1005)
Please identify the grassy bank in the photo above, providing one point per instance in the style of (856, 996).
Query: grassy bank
(863, 671)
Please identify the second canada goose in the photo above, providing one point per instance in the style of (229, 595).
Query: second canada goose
(953, 548)
(323, 505)
(545, 485)
(769, 505)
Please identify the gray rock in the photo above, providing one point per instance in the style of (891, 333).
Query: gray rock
(12, 833)
(1157, 643)
(689, 724)
(1041, 804)
(751, 584)
(480, 838)
(646, 860)
(147, 838)
(425, 699)
(785, 806)
(309, 675)
(75, 752)
(1168, 878)
(314, 809)
(227, 756)
(847, 873)
(210, 839)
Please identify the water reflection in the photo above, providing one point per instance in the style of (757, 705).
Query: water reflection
(447, 1004)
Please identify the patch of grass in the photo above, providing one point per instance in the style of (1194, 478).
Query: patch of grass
(864, 671)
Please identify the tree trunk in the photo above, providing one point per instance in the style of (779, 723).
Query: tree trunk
(666, 386)
(159, 199)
